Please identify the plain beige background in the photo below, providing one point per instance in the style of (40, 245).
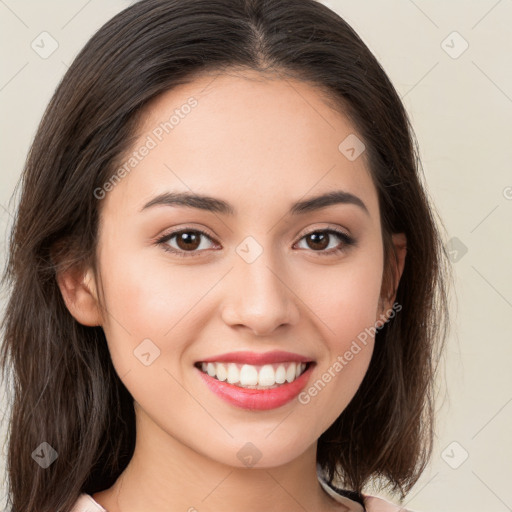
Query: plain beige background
(450, 62)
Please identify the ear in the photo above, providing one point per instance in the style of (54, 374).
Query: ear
(79, 291)
(394, 273)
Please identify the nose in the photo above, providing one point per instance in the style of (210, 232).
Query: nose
(259, 297)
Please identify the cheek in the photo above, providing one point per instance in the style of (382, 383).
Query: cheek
(150, 296)
(150, 316)
(346, 299)
(150, 299)
(347, 309)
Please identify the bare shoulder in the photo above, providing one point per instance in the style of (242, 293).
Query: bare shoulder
(376, 504)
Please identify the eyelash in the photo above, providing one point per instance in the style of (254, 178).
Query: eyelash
(346, 239)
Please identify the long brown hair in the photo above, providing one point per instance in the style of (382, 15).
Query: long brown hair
(65, 391)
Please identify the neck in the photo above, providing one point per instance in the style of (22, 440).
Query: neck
(166, 475)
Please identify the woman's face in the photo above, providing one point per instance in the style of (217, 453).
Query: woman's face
(266, 279)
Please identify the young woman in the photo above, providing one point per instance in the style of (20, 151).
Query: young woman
(227, 286)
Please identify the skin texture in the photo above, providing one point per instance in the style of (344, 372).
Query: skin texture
(260, 143)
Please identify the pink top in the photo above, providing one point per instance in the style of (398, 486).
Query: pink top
(85, 503)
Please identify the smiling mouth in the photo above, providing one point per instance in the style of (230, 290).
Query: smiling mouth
(248, 376)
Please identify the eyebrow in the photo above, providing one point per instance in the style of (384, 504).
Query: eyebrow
(212, 204)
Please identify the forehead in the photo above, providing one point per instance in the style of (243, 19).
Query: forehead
(267, 139)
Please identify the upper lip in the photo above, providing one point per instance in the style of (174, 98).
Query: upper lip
(257, 358)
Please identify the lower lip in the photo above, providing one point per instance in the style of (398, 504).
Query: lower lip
(257, 399)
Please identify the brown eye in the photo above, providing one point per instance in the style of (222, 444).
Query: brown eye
(319, 241)
(186, 241)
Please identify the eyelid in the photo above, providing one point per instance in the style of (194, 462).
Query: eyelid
(328, 227)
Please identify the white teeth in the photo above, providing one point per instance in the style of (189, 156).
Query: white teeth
(222, 373)
(280, 374)
(233, 373)
(290, 372)
(267, 376)
(210, 368)
(250, 376)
